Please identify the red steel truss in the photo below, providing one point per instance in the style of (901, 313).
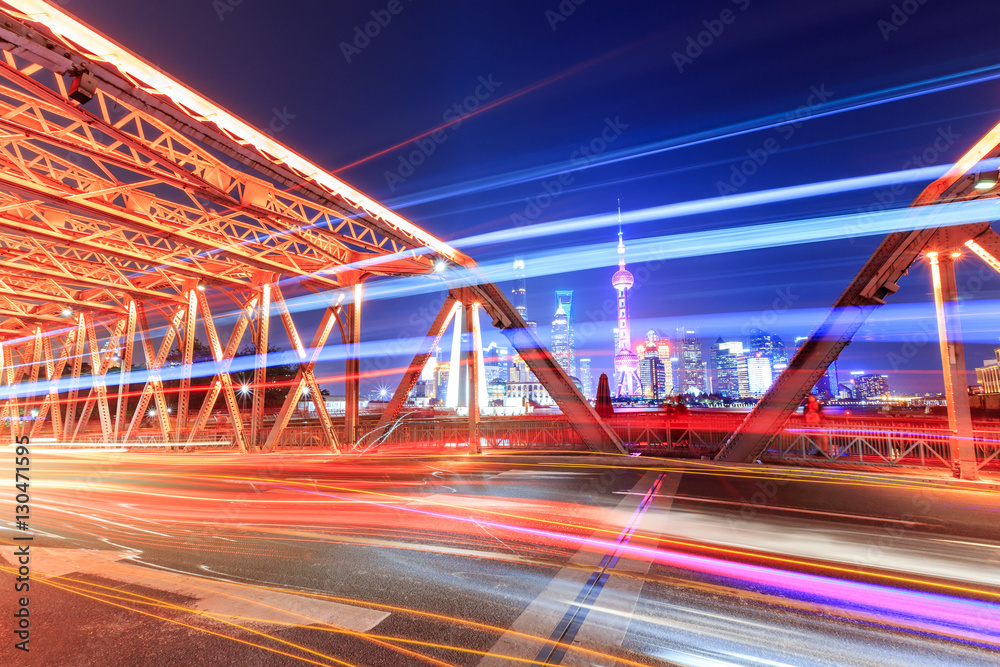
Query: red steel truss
(127, 199)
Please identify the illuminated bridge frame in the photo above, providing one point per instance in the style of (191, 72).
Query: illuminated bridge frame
(126, 199)
(877, 280)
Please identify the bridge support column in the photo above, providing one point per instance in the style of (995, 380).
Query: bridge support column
(352, 375)
(472, 368)
(187, 358)
(963, 450)
(434, 334)
(260, 369)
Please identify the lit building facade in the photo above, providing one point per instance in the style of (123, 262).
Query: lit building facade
(519, 295)
(529, 393)
(586, 378)
(755, 375)
(562, 341)
(692, 365)
(564, 301)
(768, 345)
(871, 386)
(656, 378)
(725, 377)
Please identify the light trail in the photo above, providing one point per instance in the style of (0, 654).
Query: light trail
(820, 110)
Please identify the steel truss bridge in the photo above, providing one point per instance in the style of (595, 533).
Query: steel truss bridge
(131, 205)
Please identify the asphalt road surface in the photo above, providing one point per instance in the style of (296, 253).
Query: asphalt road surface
(291, 559)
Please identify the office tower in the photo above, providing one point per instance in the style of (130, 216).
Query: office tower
(770, 346)
(562, 348)
(586, 379)
(564, 301)
(519, 295)
(726, 381)
(692, 367)
(871, 386)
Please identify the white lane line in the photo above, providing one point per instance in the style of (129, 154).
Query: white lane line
(220, 598)
(601, 631)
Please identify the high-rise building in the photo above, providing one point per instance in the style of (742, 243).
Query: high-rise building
(659, 383)
(828, 386)
(519, 295)
(770, 346)
(626, 361)
(653, 376)
(441, 379)
(564, 300)
(562, 341)
(755, 375)
(692, 367)
(759, 375)
(725, 378)
(496, 363)
(871, 386)
(586, 379)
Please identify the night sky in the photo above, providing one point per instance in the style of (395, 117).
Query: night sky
(558, 76)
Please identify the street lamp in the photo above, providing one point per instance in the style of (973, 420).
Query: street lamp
(244, 392)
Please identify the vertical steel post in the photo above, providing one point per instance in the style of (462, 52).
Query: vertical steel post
(472, 370)
(260, 372)
(963, 450)
(125, 369)
(77, 340)
(352, 374)
(187, 357)
(416, 367)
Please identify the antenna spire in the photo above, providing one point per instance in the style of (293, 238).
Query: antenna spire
(619, 216)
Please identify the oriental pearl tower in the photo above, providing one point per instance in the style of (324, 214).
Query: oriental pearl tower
(626, 360)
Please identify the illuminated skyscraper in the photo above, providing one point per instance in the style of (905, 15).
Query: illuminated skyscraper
(586, 379)
(692, 366)
(519, 295)
(564, 300)
(626, 361)
(726, 381)
(871, 386)
(562, 339)
(657, 379)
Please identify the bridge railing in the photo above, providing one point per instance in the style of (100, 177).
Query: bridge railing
(859, 440)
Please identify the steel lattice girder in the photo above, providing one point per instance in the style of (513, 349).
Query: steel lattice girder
(876, 280)
(115, 207)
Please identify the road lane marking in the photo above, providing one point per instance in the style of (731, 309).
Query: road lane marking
(219, 598)
(603, 627)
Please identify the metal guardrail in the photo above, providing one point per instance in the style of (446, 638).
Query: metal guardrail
(861, 440)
